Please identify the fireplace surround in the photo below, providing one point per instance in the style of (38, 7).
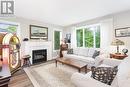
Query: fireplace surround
(29, 46)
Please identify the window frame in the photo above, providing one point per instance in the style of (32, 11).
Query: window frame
(82, 38)
(54, 38)
(94, 34)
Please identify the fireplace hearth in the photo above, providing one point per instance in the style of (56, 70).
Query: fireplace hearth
(39, 56)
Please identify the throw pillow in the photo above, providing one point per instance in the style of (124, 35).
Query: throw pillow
(96, 53)
(70, 51)
(104, 74)
(91, 52)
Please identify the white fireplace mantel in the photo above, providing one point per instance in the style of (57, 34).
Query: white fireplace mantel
(29, 46)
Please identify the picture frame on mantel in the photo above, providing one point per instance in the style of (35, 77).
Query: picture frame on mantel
(122, 32)
(38, 32)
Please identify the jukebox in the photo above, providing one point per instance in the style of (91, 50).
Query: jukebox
(10, 51)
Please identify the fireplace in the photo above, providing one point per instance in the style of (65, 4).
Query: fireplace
(39, 56)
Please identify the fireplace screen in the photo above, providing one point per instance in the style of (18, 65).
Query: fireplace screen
(39, 56)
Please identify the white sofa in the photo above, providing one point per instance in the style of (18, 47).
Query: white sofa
(85, 54)
(122, 78)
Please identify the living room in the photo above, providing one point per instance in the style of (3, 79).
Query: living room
(55, 38)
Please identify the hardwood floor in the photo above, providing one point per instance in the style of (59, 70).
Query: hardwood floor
(20, 79)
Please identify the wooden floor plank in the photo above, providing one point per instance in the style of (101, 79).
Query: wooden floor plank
(20, 79)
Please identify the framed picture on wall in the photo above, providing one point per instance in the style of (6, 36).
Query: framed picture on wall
(68, 38)
(122, 32)
(38, 32)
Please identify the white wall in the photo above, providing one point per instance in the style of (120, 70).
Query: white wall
(108, 25)
(106, 33)
(24, 28)
(106, 29)
(123, 20)
(24, 25)
(70, 30)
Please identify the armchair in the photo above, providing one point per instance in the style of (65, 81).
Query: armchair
(81, 80)
(122, 76)
(111, 62)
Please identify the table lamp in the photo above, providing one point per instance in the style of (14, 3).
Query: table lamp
(117, 42)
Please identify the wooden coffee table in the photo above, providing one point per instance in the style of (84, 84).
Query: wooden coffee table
(72, 62)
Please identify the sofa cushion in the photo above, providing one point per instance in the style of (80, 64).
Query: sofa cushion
(87, 59)
(70, 51)
(70, 56)
(104, 65)
(80, 80)
(104, 74)
(91, 52)
(126, 83)
(83, 52)
(96, 53)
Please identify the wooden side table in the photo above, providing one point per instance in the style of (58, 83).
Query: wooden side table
(26, 61)
(118, 56)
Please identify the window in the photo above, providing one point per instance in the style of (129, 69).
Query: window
(79, 37)
(8, 28)
(88, 36)
(97, 36)
(56, 40)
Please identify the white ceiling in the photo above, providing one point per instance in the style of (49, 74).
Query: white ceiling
(67, 12)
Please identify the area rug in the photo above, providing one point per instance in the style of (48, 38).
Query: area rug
(48, 75)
